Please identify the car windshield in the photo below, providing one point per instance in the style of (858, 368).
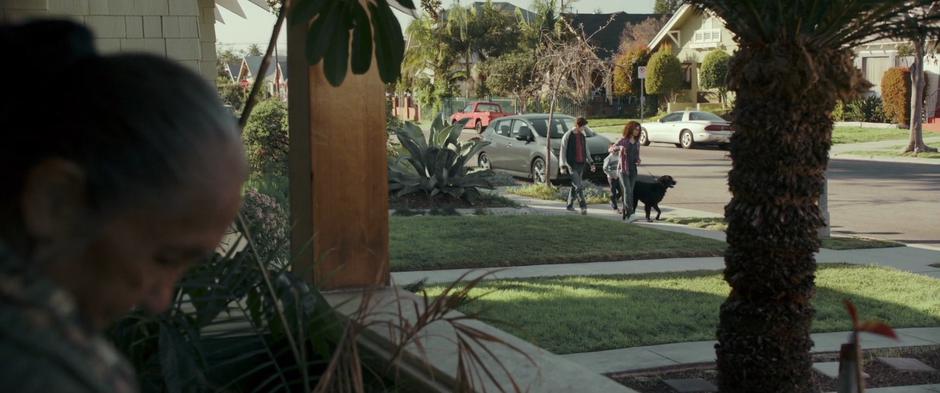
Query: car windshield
(705, 116)
(560, 125)
(488, 108)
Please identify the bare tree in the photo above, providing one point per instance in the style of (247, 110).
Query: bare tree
(568, 66)
(640, 34)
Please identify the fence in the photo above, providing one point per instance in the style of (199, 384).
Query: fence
(625, 106)
(693, 106)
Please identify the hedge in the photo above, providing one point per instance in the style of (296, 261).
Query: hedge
(896, 94)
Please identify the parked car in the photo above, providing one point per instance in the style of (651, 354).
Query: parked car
(685, 129)
(480, 115)
(517, 146)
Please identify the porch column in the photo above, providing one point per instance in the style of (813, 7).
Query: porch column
(338, 173)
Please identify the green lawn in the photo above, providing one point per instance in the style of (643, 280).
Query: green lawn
(580, 314)
(833, 243)
(855, 243)
(620, 122)
(839, 134)
(894, 151)
(859, 134)
(425, 243)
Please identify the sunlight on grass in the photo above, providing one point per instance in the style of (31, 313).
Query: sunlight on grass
(580, 314)
(592, 194)
(710, 223)
(856, 243)
(893, 153)
(860, 134)
(424, 243)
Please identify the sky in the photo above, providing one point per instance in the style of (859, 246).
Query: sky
(239, 33)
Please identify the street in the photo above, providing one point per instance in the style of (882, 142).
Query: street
(886, 200)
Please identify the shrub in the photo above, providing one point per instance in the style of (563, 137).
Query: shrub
(266, 222)
(868, 109)
(663, 73)
(838, 113)
(714, 74)
(896, 93)
(277, 187)
(232, 94)
(266, 139)
(625, 71)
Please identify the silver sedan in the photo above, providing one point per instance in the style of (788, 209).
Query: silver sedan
(517, 145)
(685, 129)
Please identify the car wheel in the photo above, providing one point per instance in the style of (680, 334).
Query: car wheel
(538, 170)
(685, 140)
(483, 161)
(644, 139)
(479, 126)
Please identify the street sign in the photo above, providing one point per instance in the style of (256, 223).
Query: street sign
(641, 72)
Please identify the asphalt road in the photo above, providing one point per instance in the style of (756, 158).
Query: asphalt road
(895, 201)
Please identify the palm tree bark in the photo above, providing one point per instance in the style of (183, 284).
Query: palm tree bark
(779, 156)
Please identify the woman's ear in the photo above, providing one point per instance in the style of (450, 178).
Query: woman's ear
(53, 200)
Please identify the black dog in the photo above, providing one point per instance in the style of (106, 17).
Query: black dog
(651, 193)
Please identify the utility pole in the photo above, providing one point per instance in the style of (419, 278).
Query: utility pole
(641, 73)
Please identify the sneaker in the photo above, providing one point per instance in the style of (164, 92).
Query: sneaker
(624, 214)
(570, 208)
(613, 205)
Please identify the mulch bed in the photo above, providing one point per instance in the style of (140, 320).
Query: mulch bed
(880, 374)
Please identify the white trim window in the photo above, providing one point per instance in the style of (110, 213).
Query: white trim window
(706, 38)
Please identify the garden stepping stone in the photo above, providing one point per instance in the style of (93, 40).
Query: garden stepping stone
(692, 385)
(831, 369)
(906, 364)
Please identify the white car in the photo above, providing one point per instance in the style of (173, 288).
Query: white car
(688, 128)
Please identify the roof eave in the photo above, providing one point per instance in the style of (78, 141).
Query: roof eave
(676, 17)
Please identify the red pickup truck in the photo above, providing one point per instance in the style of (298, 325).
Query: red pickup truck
(480, 115)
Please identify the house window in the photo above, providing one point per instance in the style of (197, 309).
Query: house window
(706, 38)
(874, 69)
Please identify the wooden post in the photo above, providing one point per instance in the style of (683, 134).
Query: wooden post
(338, 174)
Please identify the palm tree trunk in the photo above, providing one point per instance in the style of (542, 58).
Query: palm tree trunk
(779, 156)
(916, 144)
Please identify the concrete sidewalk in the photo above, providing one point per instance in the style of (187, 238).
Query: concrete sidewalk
(909, 259)
(698, 352)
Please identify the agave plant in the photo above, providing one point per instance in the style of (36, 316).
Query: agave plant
(436, 164)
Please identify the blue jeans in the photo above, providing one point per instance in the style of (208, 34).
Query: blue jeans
(627, 181)
(577, 186)
(615, 190)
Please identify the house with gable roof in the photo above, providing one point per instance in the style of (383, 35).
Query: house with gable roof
(692, 33)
